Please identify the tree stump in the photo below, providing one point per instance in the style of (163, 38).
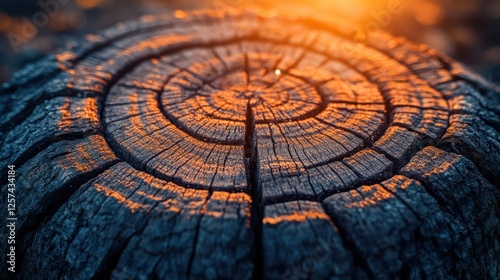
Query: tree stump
(242, 144)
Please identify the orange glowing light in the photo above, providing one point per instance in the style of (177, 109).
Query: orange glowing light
(133, 206)
(296, 217)
(88, 4)
(180, 14)
(355, 10)
(427, 13)
(4, 22)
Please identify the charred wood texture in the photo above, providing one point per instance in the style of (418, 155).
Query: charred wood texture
(247, 145)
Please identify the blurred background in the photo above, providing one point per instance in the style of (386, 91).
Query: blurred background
(467, 30)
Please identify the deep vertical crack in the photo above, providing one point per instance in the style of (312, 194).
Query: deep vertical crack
(252, 172)
(249, 133)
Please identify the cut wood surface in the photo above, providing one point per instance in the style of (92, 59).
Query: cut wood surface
(243, 144)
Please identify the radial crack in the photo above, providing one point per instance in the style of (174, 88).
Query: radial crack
(251, 159)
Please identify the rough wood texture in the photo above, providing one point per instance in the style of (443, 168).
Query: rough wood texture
(242, 144)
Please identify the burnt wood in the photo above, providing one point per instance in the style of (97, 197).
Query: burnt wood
(241, 144)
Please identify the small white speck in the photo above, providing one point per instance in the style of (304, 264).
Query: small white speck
(277, 72)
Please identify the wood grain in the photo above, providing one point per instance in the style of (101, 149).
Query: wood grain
(241, 144)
